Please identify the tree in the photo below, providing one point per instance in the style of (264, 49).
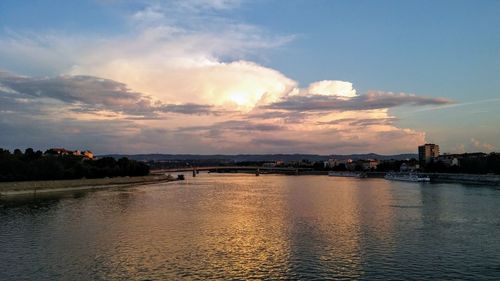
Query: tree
(18, 153)
(32, 165)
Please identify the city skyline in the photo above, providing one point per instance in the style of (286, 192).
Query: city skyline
(229, 76)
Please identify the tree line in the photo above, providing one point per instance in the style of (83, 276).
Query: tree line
(36, 165)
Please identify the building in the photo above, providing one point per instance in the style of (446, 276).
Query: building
(331, 163)
(87, 154)
(409, 167)
(427, 153)
(62, 151)
(280, 163)
(369, 164)
(451, 160)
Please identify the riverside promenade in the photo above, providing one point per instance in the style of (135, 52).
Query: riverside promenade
(40, 188)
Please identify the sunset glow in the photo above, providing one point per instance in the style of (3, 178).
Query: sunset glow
(163, 79)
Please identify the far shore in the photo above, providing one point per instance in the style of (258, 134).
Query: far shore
(475, 179)
(38, 188)
(32, 188)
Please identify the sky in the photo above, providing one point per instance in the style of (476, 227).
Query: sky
(241, 76)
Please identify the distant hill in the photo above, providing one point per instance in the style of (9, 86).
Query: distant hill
(257, 157)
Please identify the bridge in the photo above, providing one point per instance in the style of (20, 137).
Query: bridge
(236, 169)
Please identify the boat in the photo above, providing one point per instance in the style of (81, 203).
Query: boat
(407, 177)
(344, 174)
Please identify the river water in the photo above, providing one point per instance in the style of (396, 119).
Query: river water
(236, 226)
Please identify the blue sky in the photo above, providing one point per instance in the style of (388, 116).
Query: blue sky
(434, 49)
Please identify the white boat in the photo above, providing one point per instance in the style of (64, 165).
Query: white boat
(344, 174)
(407, 177)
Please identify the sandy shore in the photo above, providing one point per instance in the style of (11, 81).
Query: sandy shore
(32, 188)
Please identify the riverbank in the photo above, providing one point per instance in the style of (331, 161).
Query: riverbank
(465, 178)
(478, 179)
(451, 178)
(435, 177)
(37, 188)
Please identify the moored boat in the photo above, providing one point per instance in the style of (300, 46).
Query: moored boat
(344, 174)
(407, 177)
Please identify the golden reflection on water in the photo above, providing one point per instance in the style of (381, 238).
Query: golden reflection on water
(239, 226)
(248, 233)
(249, 226)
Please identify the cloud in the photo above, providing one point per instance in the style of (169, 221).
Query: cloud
(372, 100)
(476, 144)
(340, 89)
(181, 128)
(189, 108)
(86, 89)
(91, 94)
(145, 123)
(201, 6)
(241, 126)
(301, 146)
(361, 121)
(149, 14)
(184, 79)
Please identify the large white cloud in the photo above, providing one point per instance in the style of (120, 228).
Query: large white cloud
(341, 89)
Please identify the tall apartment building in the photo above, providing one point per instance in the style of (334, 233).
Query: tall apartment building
(427, 152)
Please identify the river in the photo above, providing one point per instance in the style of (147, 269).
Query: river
(237, 226)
